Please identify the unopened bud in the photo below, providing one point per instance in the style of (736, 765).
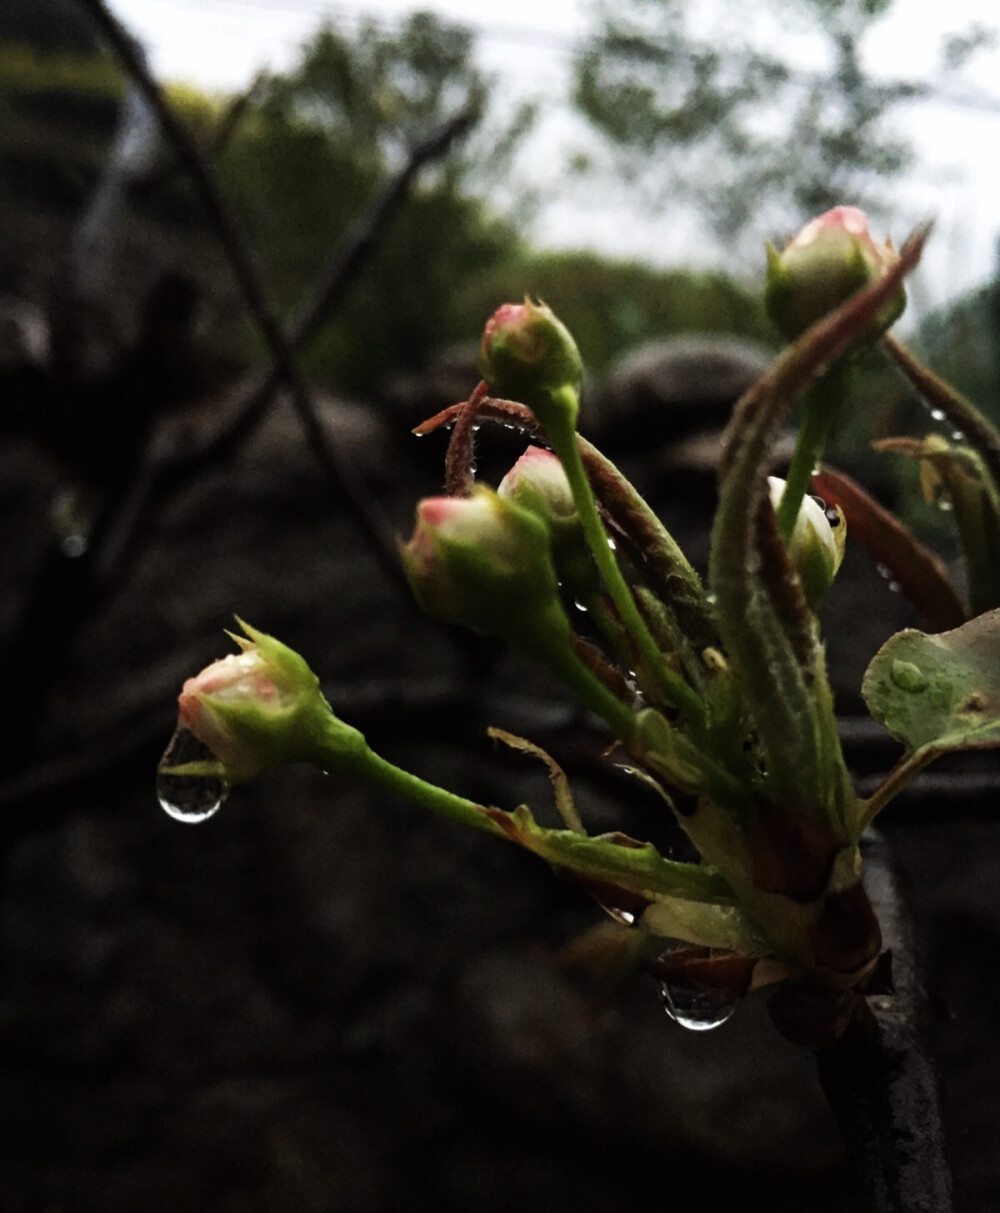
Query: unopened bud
(484, 562)
(537, 482)
(262, 707)
(816, 544)
(528, 354)
(832, 258)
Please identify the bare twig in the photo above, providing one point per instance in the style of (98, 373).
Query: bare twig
(343, 481)
(214, 143)
(325, 297)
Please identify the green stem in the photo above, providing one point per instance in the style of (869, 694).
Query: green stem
(378, 770)
(674, 689)
(584, 683)
(822, 403)
(906, 770)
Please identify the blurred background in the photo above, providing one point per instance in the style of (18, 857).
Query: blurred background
(244, 248)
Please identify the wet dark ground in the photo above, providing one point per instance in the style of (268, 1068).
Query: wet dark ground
(322, 999)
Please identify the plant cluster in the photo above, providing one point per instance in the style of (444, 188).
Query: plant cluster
(714, 690)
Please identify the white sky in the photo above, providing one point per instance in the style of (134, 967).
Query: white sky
(220, 44)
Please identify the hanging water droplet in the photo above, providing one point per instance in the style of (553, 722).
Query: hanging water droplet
(697, 1008)
(580, 606)
(944, 503)
(188, 798)
(612, 545)
(894, 587)
(937, 415)
(958, 435)
(884, 572)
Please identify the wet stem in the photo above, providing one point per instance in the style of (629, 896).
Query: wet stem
(822, 404)
(673, 689)
(378, 770)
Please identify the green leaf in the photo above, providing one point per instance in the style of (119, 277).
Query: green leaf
(938, 693)
(614, 860)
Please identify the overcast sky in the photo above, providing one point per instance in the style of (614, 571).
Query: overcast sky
(220, 44)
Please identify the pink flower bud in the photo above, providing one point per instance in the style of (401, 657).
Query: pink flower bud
(262, 707)
(484, 562)
(528, 354)
(238, 678)
(538, 482)
(537, 478)
(830, 259)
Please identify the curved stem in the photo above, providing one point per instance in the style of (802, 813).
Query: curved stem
(674, 689)
(428, 795)
(822, 403)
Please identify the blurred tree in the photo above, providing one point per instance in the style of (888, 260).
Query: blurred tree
(611, 306)
(49, 25)
(324, 137)
(717, 96)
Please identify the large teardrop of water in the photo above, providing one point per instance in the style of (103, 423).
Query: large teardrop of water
(188, 798)
(698, 1008)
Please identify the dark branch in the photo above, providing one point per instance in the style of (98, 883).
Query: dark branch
(346, 486)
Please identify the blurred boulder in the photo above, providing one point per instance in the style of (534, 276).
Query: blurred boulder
(674, 387)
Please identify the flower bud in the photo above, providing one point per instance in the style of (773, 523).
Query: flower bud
(262, 707)
(815, 546)
(528, 354)
(484, 562)
(538, 483)
(833, 257)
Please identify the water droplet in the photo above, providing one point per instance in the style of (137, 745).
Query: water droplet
(944, 503)
(907, 676)
(74, 545)
(711, 599)
(188, 798)
(611, 544)
(937, 415)
(625, 917)
(894, 587)
(699, 1008)
(580, 606)
(957, 436)
(885, 572)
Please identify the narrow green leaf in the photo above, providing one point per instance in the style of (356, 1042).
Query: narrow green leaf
(615, 860)
(959, 474)
(979, 432)
(557, 777)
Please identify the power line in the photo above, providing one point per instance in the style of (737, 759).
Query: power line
(560, 45)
